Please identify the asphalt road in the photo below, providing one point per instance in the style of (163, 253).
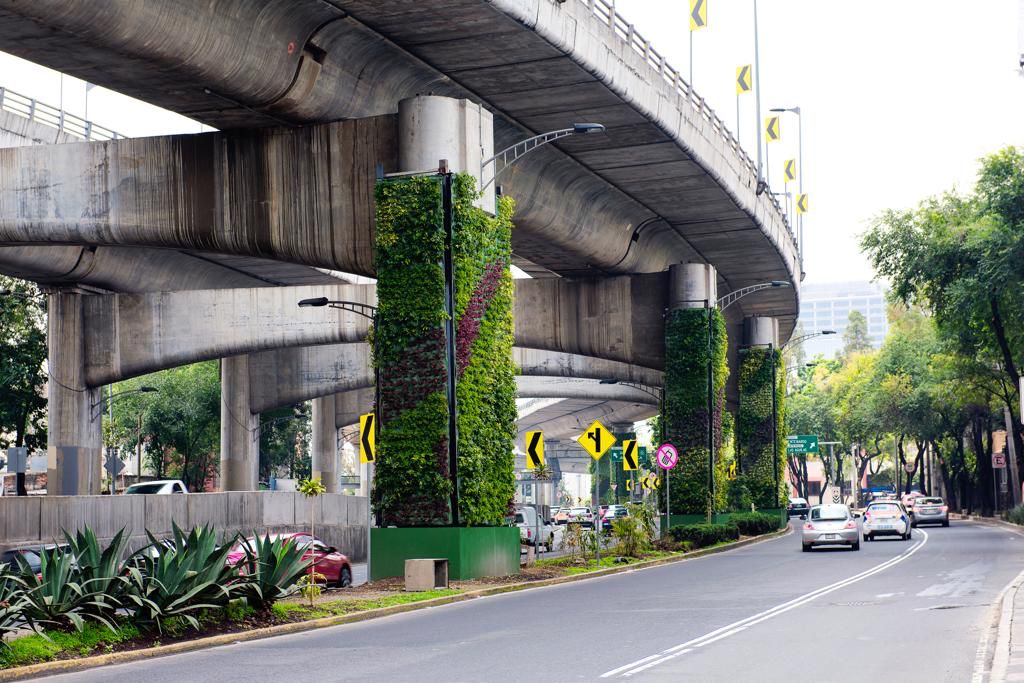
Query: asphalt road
(896, 610)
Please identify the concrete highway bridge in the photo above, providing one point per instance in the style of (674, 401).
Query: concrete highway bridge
(162, 251)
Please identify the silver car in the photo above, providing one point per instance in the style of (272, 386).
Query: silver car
(930, 511)
(830, 525)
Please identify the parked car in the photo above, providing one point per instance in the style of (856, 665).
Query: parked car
(611, 514)
(886, 518)
(326, 560)
(526, 520)
(160, 486)
(798, 507)
(562, 516)
(582, 515)
(10, 558)
(928, 510)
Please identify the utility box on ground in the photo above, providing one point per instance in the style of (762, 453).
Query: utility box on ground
(426, 574)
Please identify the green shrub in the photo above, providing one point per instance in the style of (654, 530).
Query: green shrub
(704, 534)
(12, 589)
(100, 570)
(56, 597)
(185, 577)
(1016, 515)
(756, 523)
(272, 570)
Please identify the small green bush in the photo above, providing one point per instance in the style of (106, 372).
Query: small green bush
(704, 534)
(756, 523)
(1016, 515)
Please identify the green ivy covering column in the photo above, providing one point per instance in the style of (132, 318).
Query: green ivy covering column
(412, 485)
(754, 425)
(685, 408)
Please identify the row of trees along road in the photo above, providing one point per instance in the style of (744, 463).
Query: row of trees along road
(949, 371)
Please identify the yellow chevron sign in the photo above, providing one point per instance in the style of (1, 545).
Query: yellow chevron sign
(698, 14)
(743, 84)
(534, 450)
(367, 438)
(789, 170)
(772, 129)
(802, 203)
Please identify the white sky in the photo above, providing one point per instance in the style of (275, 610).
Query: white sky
(900, 98)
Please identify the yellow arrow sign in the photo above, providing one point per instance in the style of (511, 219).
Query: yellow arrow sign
(789, 170)
(698, 14)
(367, 438)
(743, 79)
(772, 130)
(596, 440)
(629, 456)
(534, 450)
(731, 473)
(803, 204)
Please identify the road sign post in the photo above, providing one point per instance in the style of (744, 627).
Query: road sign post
(667, 457)
(367, 456)
(596, 440)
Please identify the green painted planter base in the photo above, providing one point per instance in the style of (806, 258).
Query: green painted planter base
(472, 552)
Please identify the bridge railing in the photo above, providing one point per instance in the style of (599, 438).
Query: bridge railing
(63, 121)
(605, 10)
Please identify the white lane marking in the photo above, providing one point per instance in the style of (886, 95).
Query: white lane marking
(741, 625)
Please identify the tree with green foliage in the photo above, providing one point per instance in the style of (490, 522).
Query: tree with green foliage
(960, 258)
(23, 350)
(180, 423)
(855, 337)
(282, 433)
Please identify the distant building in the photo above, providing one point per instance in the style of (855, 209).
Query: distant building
(827, 307)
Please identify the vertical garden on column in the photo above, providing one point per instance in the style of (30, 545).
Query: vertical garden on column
(413, 484)
(685, 413)
(754, 426)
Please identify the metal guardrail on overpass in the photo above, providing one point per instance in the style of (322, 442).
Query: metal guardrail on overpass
(605, 10)
(43, 113)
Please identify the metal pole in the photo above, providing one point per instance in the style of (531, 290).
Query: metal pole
(449, 286)
(668, 502)
(737, 118)
(138, 453)
(775, 422)
(691, 63)
(536, 518)
(110, 448)
(757, 84)
(597, 513)
(800, 183)
(711, 411)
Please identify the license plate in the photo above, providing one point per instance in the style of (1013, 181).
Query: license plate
(831, 537)
(886, 526)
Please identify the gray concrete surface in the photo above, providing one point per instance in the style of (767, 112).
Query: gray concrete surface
(828, 616)
(340, 519)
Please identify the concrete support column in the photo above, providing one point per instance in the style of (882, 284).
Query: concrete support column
(239, 428)
(75, 438)
(691, 284)
(324, 451)
(431, 128)
(761, 331)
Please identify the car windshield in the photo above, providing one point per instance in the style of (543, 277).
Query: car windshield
(145, 488)
(797, 501)
(830, 513)
(929, 501)
(9, 557)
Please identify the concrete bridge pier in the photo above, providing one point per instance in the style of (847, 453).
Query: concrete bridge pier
(691, 285)
(324, 449)
(239, 428)
(75, 441)
(761, 330)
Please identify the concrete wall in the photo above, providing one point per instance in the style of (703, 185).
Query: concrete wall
(339, 520)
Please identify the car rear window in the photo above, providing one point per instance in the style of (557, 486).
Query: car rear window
(519, 518)
(883, 507)
(145, 488)
(830, 512)
(928, 501)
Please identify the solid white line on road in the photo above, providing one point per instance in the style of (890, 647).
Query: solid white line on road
(741, 625)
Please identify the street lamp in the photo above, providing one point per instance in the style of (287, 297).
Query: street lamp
(510, 155)
(805, 337)
(737, 294)
(800, 171)
(103, 402)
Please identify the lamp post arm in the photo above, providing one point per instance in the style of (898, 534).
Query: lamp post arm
(735, 295)
(509, 155)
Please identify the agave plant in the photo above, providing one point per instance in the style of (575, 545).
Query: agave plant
(180, 578)
(12, 593)
(100, 570)
(56, 597)
(272, 567)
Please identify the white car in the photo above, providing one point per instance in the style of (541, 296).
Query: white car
(160, 486)
(526, 520)
(886, 518)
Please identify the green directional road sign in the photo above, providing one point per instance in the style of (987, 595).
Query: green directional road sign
(802, 443)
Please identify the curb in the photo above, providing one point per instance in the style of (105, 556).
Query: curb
(72, 665)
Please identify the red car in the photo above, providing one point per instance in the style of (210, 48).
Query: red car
(326, 560)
